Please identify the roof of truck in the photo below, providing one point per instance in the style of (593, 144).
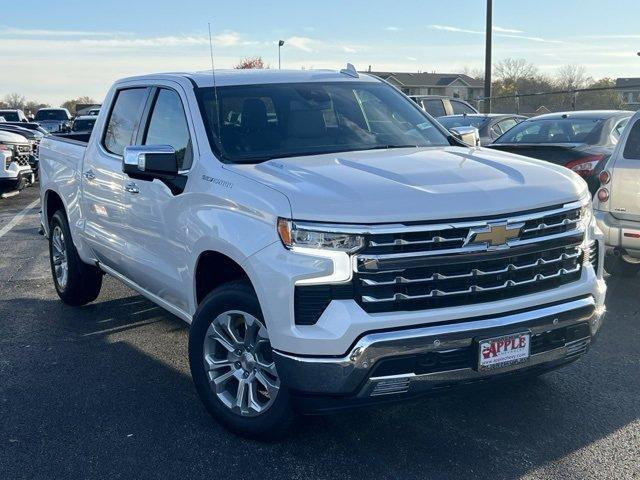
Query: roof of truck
(258, 76)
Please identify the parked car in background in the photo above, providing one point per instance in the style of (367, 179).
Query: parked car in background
(617, 204)
(32, 136)
(490, 126)
(440, 106)
(582, 141)
(29, 126)
(13, 115)
(54, 119)
(93, 112)
(83, 123)
(330, 244)
(15, 169)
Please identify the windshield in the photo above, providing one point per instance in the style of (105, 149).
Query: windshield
(466, 121)
(43, 115)
(9, 116)
(260, 122)
(83, 125)
(560, 130)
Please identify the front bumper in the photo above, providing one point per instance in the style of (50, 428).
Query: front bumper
(619, 235)
(413, 361)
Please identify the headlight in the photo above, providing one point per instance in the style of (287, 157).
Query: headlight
(296, 236)
(586, 212)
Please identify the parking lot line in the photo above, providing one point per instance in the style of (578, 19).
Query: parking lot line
(18, 218)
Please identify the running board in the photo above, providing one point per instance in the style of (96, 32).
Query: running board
(178, 312)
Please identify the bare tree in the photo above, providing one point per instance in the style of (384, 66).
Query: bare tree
(32, 106)
(15, 100)
(476, 73)
(510, 70)
(571, 77)
(251, 62)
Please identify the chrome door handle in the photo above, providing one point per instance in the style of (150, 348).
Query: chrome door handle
(89, 175)
(132, 188)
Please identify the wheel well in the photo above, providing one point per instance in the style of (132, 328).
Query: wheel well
(54, 203)
(213, 270)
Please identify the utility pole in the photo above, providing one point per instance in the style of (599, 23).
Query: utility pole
(487, 59)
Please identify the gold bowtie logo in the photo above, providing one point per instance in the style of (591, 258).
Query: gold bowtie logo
(494, 235)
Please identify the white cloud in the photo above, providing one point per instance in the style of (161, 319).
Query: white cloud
(5, 31)
(449, 28)
(506, 30)
(412, 59)
(229, 38)
(348, 49)
(392, 29)
(500, 32)
(305, 44)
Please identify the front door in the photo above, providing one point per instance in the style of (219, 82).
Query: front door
(156, 255)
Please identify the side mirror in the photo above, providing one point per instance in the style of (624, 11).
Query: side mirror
(467, 135)
(146, 162)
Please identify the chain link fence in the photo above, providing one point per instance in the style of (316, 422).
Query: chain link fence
(538, 103)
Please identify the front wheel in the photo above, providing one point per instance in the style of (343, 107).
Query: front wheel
(232, 364)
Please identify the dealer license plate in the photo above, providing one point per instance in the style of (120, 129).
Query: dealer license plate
(500, 352)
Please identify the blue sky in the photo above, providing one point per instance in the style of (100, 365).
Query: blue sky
(54, 50)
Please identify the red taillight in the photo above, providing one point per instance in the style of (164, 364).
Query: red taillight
(603, 194)
(584, 166)
(604, 177)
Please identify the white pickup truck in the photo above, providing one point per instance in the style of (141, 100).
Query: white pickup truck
(328, 242)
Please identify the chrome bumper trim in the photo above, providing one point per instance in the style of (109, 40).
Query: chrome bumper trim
(346, 374)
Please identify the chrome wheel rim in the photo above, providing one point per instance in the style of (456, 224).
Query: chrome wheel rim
(59, 256)
(239, 363)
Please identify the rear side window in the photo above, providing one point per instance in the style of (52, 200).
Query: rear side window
(434, 107)
(632, 147)
(168, 126)
(459, 108)
(124, 119)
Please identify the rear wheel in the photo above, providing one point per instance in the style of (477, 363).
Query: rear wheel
(232, 364)
(76, 282)
(619, 266)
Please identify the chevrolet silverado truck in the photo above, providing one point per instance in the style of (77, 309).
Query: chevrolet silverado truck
(329, 244)
(15, 162)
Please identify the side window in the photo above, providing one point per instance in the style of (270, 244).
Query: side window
(124, 119)
(632, 147)
(435, 107)
(168, 126)
(619, 128)
(459, 108)
(495, 131)
(507, 124)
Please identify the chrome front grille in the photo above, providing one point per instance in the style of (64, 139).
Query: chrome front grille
(435, 266)
(406, 267)
(21, 155)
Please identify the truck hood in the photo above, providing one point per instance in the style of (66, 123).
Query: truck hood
(409, 184)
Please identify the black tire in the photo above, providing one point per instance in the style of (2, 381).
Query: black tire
(83, 282)
(276, 421)
(615, 265)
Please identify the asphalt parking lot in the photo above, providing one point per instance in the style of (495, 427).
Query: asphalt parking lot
(104, 391)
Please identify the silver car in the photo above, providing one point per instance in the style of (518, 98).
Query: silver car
(617, 203)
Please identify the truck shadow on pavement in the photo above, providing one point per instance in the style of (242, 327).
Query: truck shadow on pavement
(104, 391)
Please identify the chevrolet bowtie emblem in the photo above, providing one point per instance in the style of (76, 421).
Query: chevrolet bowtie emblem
(494, 235)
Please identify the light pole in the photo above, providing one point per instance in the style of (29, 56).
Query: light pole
(487, 59)
(280, 44)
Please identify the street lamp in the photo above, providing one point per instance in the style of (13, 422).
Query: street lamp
(280, 44)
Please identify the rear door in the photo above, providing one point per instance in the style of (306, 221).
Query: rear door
(624, 201)
(156, 255)
(102, 178)
(434, 107)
